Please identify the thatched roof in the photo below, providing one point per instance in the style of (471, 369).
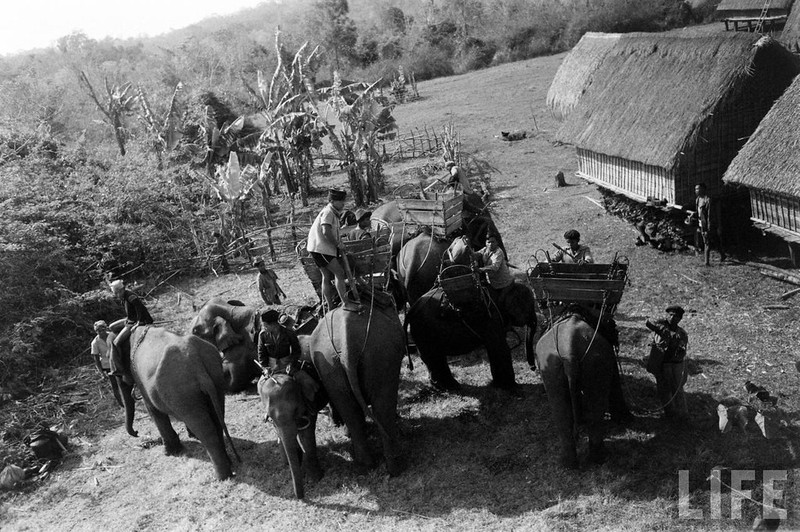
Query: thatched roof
(576, 70)
(771, 158)
(790, 36)
(753, 5)
(653, 92)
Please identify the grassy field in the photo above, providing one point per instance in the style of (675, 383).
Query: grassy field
(481, 459)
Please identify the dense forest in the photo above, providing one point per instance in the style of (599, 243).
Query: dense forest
(116, 155)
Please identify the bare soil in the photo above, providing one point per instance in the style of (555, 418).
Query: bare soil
(481, 459)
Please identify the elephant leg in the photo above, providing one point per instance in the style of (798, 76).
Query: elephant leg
(500, 362)
(385, 410)
(308, 440)
(172, 444)
(115, 390)
(206, 428)
(617, 407)
(440, 374)
(560, 399)
(126, 392)
(353, 417)
(597, 449)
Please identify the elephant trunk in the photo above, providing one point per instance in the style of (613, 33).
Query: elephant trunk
(293, 451)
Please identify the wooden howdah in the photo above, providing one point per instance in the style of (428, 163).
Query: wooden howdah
(442, 214)
(592, 284)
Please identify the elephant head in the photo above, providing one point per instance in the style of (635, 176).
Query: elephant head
(232, 327)
(295, 423)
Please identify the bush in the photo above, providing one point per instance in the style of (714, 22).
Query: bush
(428, 62)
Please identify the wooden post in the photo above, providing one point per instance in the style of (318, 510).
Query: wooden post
(793, 256)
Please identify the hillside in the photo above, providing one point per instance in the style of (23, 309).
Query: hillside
(482, 459)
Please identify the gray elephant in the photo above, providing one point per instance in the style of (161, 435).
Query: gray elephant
(577, 362)
(293, 414)
(180, 377)
(232, 327)
(441, 329)
(358, 358)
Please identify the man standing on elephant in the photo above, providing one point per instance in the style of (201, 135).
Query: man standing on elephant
(101, 345)
(667, 362)
(325, 247)
(135, 314)
(279, 351)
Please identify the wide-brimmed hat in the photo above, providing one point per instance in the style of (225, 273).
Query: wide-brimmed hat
(361, 214)
(336, 195)
(116, 285)
(677, 309)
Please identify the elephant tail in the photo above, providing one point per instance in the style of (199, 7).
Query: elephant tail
(355, 387)
(572, 374)
(405, 339)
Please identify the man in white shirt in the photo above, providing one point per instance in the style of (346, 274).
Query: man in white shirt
(325, 247)
(101, 348)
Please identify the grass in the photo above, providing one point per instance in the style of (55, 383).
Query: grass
(481, 459)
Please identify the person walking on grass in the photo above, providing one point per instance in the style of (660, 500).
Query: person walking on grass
(708, 222)
(667, 362)
(326, 248)
(101, 347)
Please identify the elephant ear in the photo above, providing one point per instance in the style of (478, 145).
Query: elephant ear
(225, 335)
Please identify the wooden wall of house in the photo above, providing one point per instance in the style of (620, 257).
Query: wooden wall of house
(634, 179)
(776, 209)
(751, 13)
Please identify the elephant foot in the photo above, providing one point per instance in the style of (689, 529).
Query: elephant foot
(447, 385)
(569, 459)
(395, 465)
(132, 432)
(597, 453)
(512, 387)
(174, 449)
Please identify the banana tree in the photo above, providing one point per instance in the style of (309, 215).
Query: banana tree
(355, 129)
(117, 103)
(232, 185)
(164, 133)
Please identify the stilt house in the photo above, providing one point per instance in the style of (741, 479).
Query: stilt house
(769, 166)
(667, 111)
(576, 71)
(752, 15)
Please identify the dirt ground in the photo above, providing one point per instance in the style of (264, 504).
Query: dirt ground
(481, 459)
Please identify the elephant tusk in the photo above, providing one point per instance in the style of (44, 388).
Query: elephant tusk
(300, 443)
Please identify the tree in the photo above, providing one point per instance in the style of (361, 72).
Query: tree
(117, 103)
(330, 20)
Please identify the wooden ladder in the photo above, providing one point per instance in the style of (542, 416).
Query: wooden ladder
(762, 16)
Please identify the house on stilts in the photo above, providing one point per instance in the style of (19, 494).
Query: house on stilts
(754, 15)
(667, 111)
(769, 166)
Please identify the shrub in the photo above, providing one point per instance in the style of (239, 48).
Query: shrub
(428, 62)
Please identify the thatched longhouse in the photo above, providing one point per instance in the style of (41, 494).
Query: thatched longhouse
(752, 9)
(576, 70)
(769, 166)
(667, 111)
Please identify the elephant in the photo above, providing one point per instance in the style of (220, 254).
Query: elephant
(578, 366)
(180, 377)
(440, 329)
(294, 416)
(358, 358)
(233, 328)
(421, 258)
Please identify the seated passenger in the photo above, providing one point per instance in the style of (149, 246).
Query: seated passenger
(575, 253)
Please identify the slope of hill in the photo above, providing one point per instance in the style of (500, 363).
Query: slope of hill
(482, 459)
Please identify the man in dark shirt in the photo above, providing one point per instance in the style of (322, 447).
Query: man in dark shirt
(667, 361)
(279, 351)
(135, 314)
